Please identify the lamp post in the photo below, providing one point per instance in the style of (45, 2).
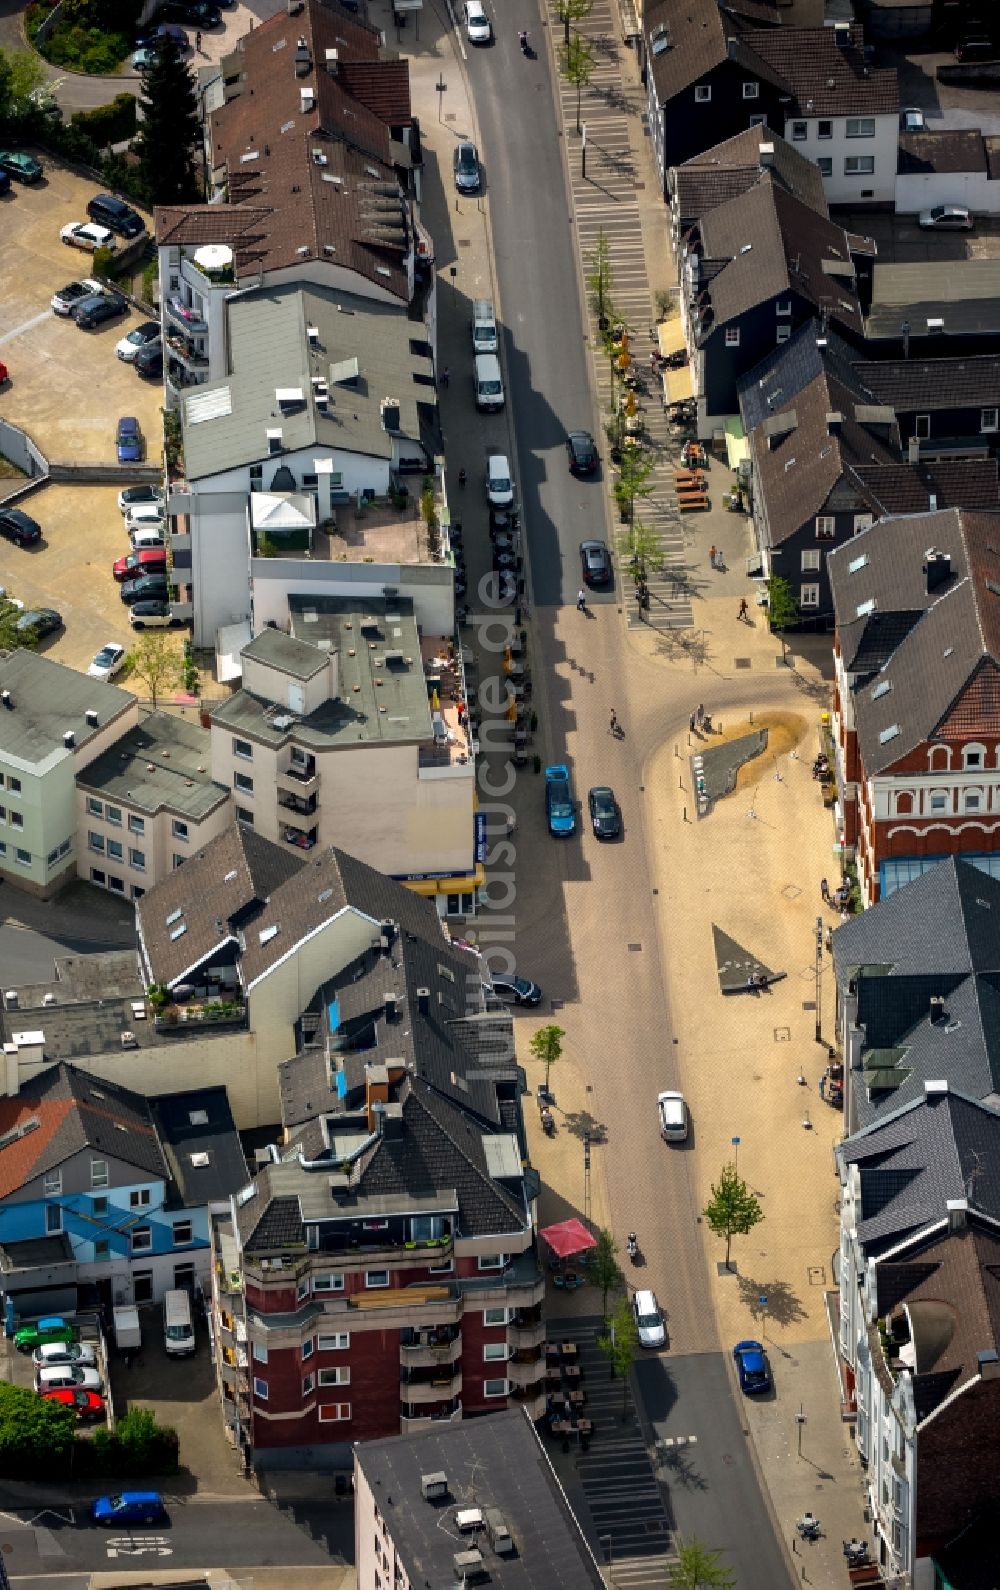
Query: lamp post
(736, 1153)
(819, 979)
(583, 152)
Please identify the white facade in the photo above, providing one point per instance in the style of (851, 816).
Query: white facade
(843, 147)
(922, 190)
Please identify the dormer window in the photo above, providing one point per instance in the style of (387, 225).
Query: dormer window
(751, 90)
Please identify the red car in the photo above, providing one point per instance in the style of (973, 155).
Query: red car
(4, 373)
(150, 560)
(86, 1404)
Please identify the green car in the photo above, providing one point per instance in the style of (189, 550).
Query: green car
(24, 167)
(51, 1328)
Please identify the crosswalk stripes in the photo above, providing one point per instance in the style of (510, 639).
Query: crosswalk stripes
(616, 1476)
(605, 200)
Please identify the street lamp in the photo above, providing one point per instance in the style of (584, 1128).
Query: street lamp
(736, 1153)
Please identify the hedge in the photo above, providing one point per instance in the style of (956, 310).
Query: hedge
(108, 124)
(39, 1440)
(74, 145)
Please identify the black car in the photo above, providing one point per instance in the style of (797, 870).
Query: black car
(199, 13)
(108, 211)
(147, 588)
(582, 450)
(40, 621)
(96, 309)
(604, 813)
(595, 562)
(4, 181)
(149, 361)
(515, 990)
(19, 527)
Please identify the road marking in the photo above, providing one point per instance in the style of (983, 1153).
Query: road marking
(139, 1546)
(60, 1518)
(26, 325)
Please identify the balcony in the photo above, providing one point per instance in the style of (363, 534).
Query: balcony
(532, 1400)
(527, 1371)
(301, 806)
(527, 1329)
(227, 1010)
(185, 316)
(401, 1306)
(300, 838)
(188, 355)
(421, 1393)
(448, 1414)
(301, 778)
(432, 1350)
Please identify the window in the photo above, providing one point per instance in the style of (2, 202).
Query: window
(939, 802)
(702, 93)
(141, 1198)
(53, 1218)
(860, 127)
(732, 336)
(310, 482)
(811, 561)
(179, 830)
(492, 1261)
(863, 521)
(16, 819)
(308, 1348)
(14, 784)
(96, 842)
(498, 1388)
(99, 1207)
(22, 857)
(136, 892)
(335, 1342)
(260, 1388)
(341, 1376)
(783, 306)
(824, 129)
(973, 757)
(116, 850)
(783, 333)
(102, 1249)
(859, 165)
(256, 476)
(825, 165)
(973, 801)
(116, 885)
(988, 419)
(3, 814)
(329, 1411)
(808, 595)
(243, 782)
(259, 1353)
(97, 876)
(375, 1278)
(3, 847)
(178, 861)
(95, 808)
(751, 90)
(113, 814)
(328, 1283)
(52, 1184)
(494, 1352)
(758, 121)
(904, 805)
(243, 816)
(136, 825)
(826, 527)
(65, 846)
(142, 1239)
(496, 1316)
(244, 749)
(307, 1385)
(183, 1233)
(99, 1173)
(137, 860)
(799, 130)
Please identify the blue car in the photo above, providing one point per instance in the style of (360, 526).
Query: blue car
(752, 1366)
(130, 1507)
(560, 807)
(128, 438)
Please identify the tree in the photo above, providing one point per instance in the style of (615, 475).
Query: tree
(697, 1568)
(546, 1046)
(12, 638)
(23, 77)
(170, 129)
(576, 65)
(642, 547)
(600, 276)
(572, 11)
(156, 662)
(620, 1344)
(603, 1268)
(36, 1437)
(782, 608)
(633, 479)
(6, 77)
(732, 1210)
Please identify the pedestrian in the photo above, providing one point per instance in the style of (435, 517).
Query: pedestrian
(691, 723)
(197, 41)
(445, 376)
(581, 601)
(712, 555)
(614, 721)
(824, 889)
(744, 612)
(700, 713)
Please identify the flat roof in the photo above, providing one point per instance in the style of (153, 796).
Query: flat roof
(47, 701)
(964, 294)
(163, 764)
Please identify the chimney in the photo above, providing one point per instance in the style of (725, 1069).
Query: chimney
(333, 62)
(935, 1090)
(834, 424)
(424, 1001)
(376, 1093)
(936, 1010)
(937, 568)
(989, 1364)
(91, 717)
(387, 928)
(303, 59)
(913, 450)
(842, 35)
(391, 1121)
(69, 739)
(958, 1213)
(7, 699)
(766, 156)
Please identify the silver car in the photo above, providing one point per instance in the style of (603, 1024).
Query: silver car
(52, 1353)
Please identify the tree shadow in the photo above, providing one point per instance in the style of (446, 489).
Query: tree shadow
(615, 98)
(581, 1122)
(680, 1469)
(783, 1305)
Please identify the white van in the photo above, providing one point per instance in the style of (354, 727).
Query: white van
(484, 327)
(178, 1323)
(488, 382)
(144, 514)
(499, 486)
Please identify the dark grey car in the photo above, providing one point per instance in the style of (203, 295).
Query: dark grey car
(466, 162)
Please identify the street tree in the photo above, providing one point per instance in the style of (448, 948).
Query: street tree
(632, 481)
(576, 65)
(602, 1264)
(546, 1046)
(782, 608)
(641, 545)
(697, 1568)
(156, 662)
(620, 1345)
(169, 130)
(570, 11)
(600, 276)
(732, 1210)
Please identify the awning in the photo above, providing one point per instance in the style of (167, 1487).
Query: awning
(432, 886)
(677, 384)
(229, 643)
(670, 336)
(567, 1238)
(737, 446)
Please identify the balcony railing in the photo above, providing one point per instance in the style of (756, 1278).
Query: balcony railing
(226, 1012)
(295, 803)
(419, 1393)
(522, 1336)
(182, 350)
(526, 1374)
(450, 1414)
(430, 1354)
(301, 780)
(183, 315)
(301, 838)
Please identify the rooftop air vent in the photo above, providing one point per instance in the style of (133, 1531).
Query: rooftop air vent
(92, 718)
(434, 1487)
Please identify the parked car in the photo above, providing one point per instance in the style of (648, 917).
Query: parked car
(649, 1320)
(85, 1404)
(129, 440)
(198, 13)
(466, 166)
(560, 808)
(975, 47)
(499, 485)
(19, 527)
(604, 813)
(145, 587)
(595, 563)
(129, 1507)
(66, 299)
(49, 1328)
(148, 560)
(947, 218)
(96, 309)
(65, 1377)
(515, 990)
(148, 331)
(153, 614)
(132, 496)
(108, 211)
(145, 516)
(582, 451)
(41, 621)
(478, 28)
(48, 1353)
(24, 167)
(148, 361)
(4, 373)
(109, 661)
(673, 1113)
(146, 538)
(143, 58)
(752, 1366)
(88, 236)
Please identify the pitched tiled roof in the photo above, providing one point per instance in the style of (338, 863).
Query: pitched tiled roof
(947, 921)
(733, 167)
(908, 488)
(952, 150)
(926, 385)
(62, 1111)
(825, 79)
(698, 35)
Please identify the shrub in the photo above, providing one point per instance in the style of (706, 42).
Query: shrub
(108, 124)
(36, 1437)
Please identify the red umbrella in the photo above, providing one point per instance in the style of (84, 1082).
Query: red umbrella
(567, 1238)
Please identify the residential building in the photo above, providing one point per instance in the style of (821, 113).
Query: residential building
(916, 988)
(455, 1502)
(950, 406)
(146, 804)
(355, 727)
(920, 1242)
(752, 271)
(915, 723)
(956, 165)
(54, 722)
(934, 310)
(825, 463)
(105, 1195)
(379, 1273)
(734, 167)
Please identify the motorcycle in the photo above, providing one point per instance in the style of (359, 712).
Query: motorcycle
(633, 1247)
(526, 50)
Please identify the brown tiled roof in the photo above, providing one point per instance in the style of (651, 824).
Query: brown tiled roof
(923, 385)
(733, 167)
(824, 79)
(908, 488)
(383, 87)
(698, 32)
(954, 149)
(241, 227)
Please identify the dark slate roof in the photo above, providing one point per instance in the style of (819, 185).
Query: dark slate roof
(773, 385)
(926, 385)
(824, 79)
(954, 149)
(733, 167)
(201, 1144)
(493, 1462)
(911, 1162)
(938, 652)
(62, 1111)
(947, 922)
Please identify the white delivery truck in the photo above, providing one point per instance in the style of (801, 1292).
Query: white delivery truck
(128, 1332)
